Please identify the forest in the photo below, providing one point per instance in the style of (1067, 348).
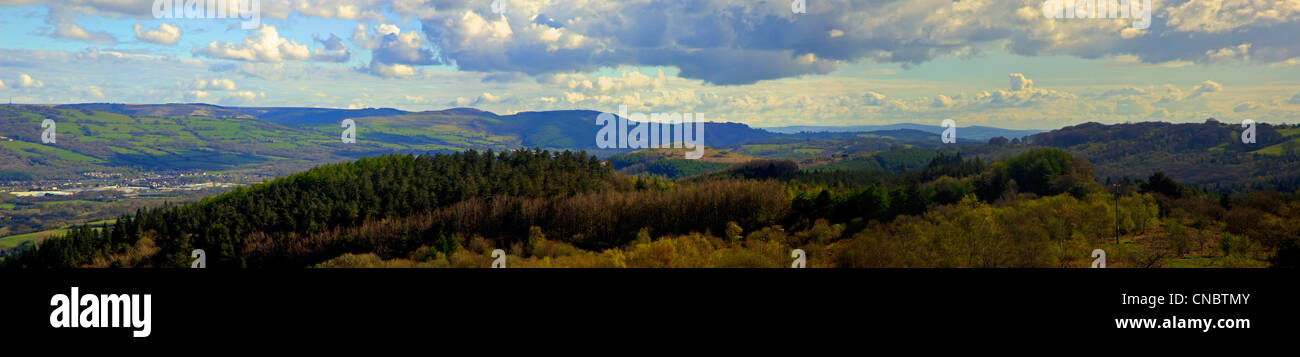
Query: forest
(1210, 155)
(1040, 208)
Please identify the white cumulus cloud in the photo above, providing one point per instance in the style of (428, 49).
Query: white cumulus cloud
(165, 34)
(26, 81)
(265, 45)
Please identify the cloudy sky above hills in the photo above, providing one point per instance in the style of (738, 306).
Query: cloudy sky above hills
(984, 62)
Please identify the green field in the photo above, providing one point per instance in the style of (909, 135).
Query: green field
(1277, 149)
(60, 203)
(97, 140)
(892, 160)
(46, 152)
(16, 240)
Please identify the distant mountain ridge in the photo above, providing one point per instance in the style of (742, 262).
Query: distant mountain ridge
(282, 140)
(554, 129)
(1210, 154)
(299, 116)
(103, 136)
(975, 132)
(309, 115)
(162, 110)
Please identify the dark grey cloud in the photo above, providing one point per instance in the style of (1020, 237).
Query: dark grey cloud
(405, 49)
(743, 41)
(334, 49)
(504, 77)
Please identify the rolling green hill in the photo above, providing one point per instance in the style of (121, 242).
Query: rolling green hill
(1210, 155)
(115, 137)
(895, 160)
(121, 137)
(672, 164)
(1290, 146)
(564, 209)
(106, 141)
(279, 141)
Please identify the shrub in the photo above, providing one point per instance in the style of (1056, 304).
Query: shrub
(1232, 244)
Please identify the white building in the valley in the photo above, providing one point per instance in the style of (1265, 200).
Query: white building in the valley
(40, 193)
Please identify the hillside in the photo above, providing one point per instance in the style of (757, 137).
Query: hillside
(161, 110)
(328, 197)
(894, 160)
(278, 141)
(91, 140)
(835, 146)
(115, 158)
(1208, 155)
(1042, 208)
(672, 164)
(978, 133)
(273, 142)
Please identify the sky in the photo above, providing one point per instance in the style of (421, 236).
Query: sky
(765, 63)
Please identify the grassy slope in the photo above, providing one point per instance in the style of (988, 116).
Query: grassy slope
(101, 140)
(46, 152)
(36, 237)
(896, 160)
(672, 163)
(1276, 149)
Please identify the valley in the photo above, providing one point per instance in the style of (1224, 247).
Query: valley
(1183, 188)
